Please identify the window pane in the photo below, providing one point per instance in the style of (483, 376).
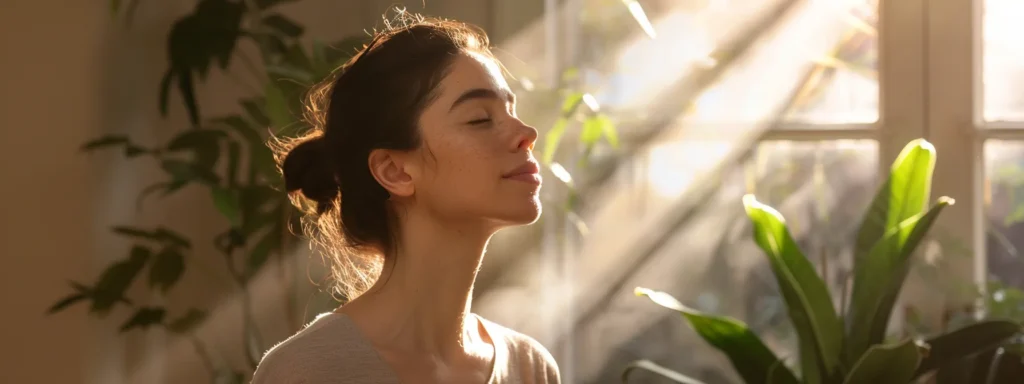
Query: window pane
(1004, 204)
(1003, 68)
(732, 63)
(841, 86)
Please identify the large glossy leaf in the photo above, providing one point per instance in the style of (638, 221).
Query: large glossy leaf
(650, 366)
(807, 297)
(1006, 368)
(956, 345)
(748, 354)
(879, 278)
(904, 194)
(971, 370)
(885, 364)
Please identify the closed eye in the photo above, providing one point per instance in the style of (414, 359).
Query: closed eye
(480, 121)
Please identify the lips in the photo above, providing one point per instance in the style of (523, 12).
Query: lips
(528, 172)
(526, 169)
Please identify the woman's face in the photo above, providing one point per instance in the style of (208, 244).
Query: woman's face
(476, 159)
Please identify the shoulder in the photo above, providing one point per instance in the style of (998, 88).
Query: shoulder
(326, 350)
(526, 354)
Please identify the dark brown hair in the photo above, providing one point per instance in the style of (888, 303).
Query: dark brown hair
(371, 102)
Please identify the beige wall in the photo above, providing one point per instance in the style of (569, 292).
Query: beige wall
(69, 72)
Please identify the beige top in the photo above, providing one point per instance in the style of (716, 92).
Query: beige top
(332, 350)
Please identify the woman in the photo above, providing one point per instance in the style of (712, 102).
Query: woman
(417, 158)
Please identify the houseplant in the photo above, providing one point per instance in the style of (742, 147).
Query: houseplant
(226, 156)
(850, 348)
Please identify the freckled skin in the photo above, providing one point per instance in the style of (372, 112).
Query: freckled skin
(464, 156)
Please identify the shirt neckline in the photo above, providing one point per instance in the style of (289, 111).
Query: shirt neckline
(498, 363)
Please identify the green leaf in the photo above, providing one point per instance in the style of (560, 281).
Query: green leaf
(144, 317)
(165, 91)
(255, 198)
(131, 150)
(187, 321)
(608, 129)
(1007, 367)
(227, 203)
(189, 172)
(651, 366)
(591, 132)
(879, 278)
(170, 237)
(204, 144)
(105, 141)
(277, 106)
(261, 159)
(807, 298)
(571, 102)
(264, 4)
(254, 107)
(209, 33)
(67, 301)
(748, 354)
(234, 158)
(886, 364)
(188, 96)
(570, 75)
(904, 194)
(283, 25)
(552, 138)
(953, 346)
(166, 269)
(114, 281)
(290, 73)
(1015, 217)
(261, 252)
(971, 370)
(160, 235)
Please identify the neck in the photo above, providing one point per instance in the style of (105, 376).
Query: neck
(424, 293)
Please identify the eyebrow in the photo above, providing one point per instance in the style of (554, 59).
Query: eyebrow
(483, 93)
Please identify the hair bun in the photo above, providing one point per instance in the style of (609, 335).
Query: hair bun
(306, 168)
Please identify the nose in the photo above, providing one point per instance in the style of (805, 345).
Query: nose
(526, 138)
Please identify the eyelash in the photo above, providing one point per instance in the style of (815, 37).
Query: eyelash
(480, 121)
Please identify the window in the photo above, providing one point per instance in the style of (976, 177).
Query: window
(975, 115)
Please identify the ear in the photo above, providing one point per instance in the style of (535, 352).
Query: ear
(389, 167)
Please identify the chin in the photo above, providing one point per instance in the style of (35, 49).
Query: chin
(522, 213)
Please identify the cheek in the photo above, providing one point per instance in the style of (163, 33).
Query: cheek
(466, 167)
